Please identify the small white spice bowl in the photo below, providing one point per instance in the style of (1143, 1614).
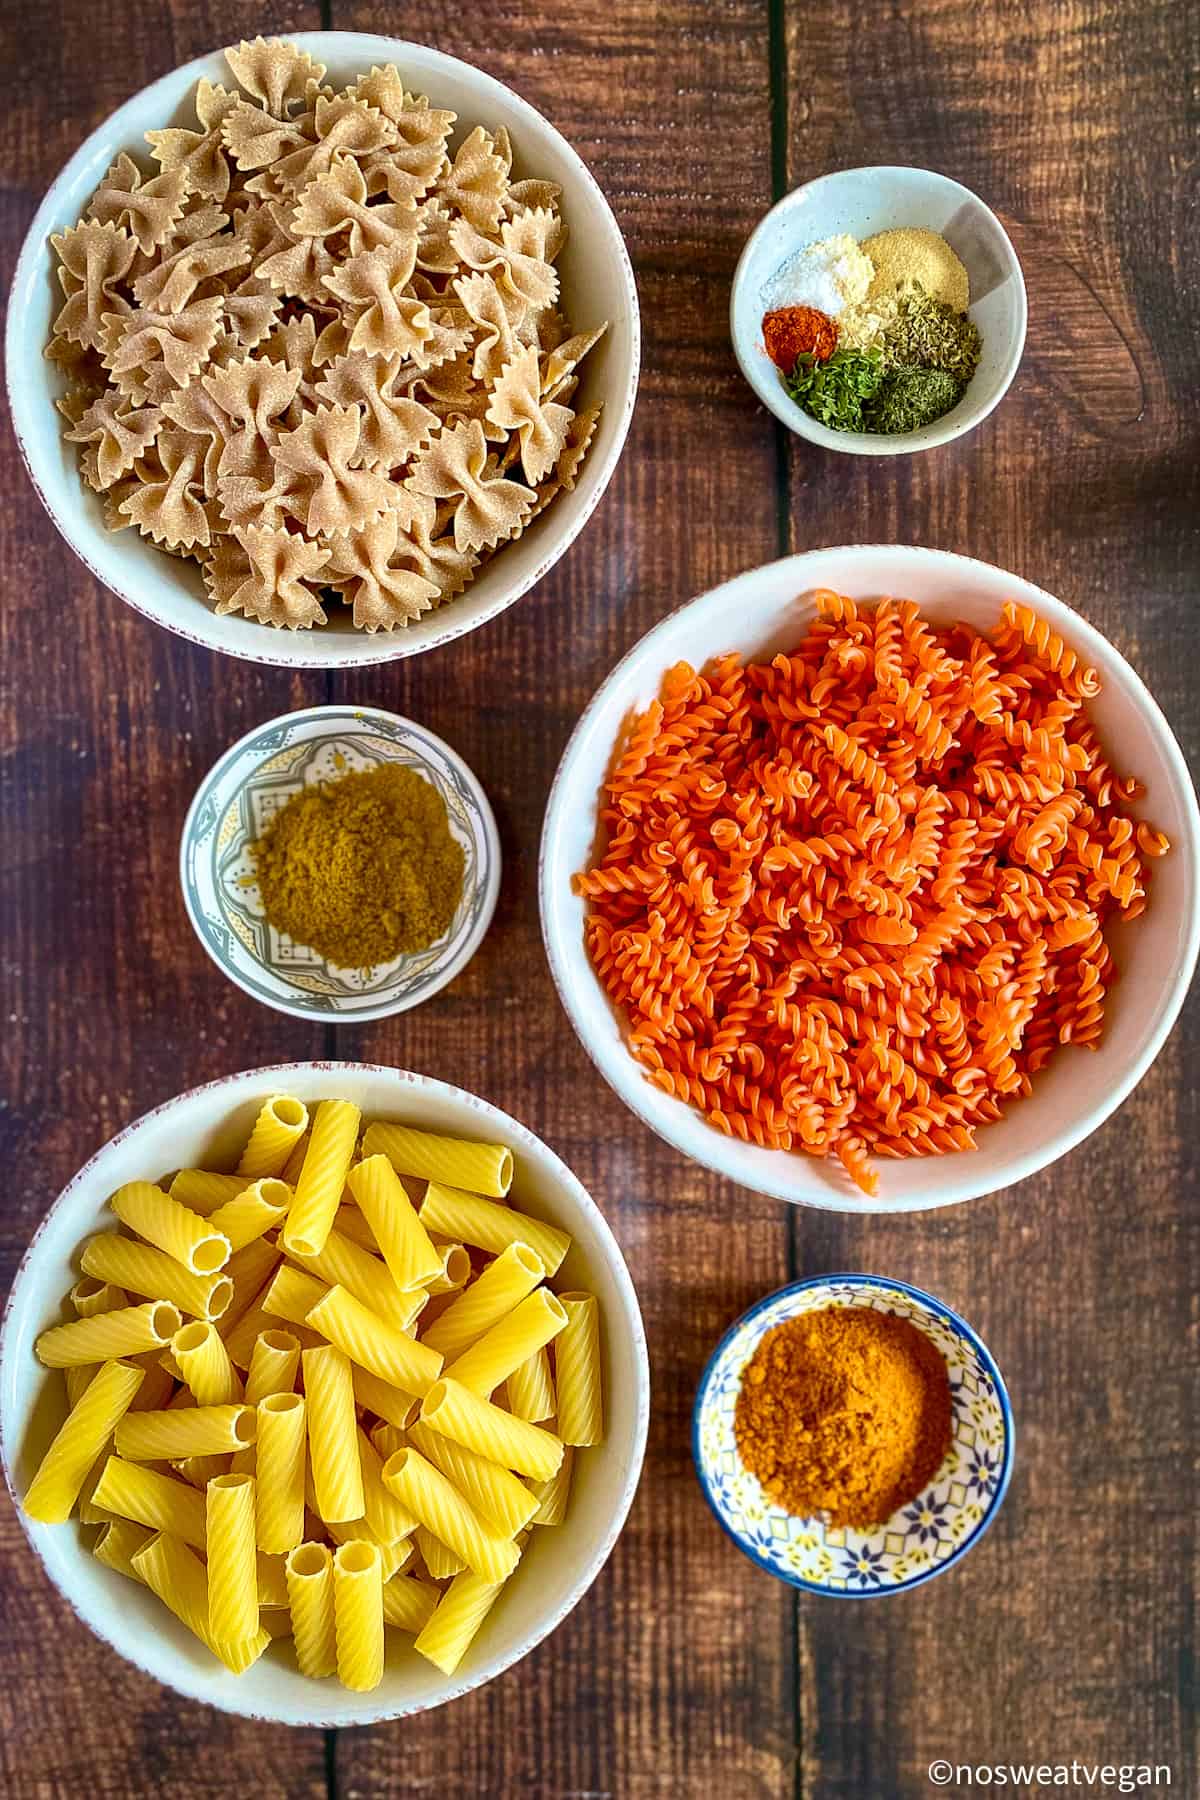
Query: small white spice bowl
(861, 202)
(597, 284)
(206, 1127)
(236, 802)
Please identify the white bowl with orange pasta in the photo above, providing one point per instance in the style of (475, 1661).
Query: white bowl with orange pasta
(1073, 1089)
(206, 1129)
(597, 285)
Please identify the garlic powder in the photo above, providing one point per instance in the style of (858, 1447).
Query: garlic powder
(830, 275)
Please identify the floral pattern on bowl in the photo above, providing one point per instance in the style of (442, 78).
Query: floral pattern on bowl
(244, 792)
(919, 1541)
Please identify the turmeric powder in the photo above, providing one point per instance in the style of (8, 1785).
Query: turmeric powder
(844, 1412)
(363, 868)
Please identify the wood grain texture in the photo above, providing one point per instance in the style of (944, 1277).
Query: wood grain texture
(683, 1673)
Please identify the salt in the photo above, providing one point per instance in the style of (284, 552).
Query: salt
(830, 275)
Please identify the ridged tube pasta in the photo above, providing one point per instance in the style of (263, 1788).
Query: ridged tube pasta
(279, 1468)
(440, 1562)
(387, 1439)
(257, 1209)
(350, 1222)
(249, 1269)
(343, 1263)
(456, 1270)
(158, 1501)
(384, 1400)
(79, 1441)
(205, 1366)
(502, 1501)
(150, 1213)
(403, 1240)
(489, 1226)
(281, 1123)
(175, 1433)
(492, 1358)
(372, 1342)
(554, 1495)
(310, 1601)
(272, 1578)
(179, 1579)
(90, 1297)
(319, 1189)
(481, 1168)
(531, 1390)
(332, 1435)
(291, 1294)
(273, 1365)
(358, 1615)
(388, 1520)
(232, 1569)
(105, 1336)
(475, 1423)
(144, 1270)
(392, 1557)
(118, 1543)
(577, 1372)
(495, 1292)
(425, 1492)
(408, 1602)
(456, 1619)
(203, 1190)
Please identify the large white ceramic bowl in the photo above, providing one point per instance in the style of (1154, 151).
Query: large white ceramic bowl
(597, 282)
(206, 1126)
(765, 611)
(862, 202)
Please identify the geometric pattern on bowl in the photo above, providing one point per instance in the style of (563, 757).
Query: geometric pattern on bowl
(919, 1541)
(245, 791)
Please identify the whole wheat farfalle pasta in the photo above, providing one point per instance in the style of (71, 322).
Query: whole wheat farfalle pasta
(316, 341)
(853, 899)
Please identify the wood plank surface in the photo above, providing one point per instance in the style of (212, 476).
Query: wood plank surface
(684, 1672)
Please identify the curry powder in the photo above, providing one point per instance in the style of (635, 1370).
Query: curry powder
(363, 868)
(844, 1412)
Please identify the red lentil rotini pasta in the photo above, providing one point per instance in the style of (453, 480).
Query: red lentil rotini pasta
(851, 900)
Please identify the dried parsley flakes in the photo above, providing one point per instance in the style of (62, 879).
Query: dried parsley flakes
(833, 392)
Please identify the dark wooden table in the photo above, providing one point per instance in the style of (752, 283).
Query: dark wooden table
(684, 1672)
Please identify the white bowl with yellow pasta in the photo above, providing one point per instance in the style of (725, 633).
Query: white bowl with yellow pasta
(203, 1354)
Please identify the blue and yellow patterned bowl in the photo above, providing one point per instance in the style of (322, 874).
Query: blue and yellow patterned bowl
(919, 1541)
(237, 800)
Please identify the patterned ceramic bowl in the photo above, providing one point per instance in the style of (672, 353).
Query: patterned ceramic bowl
(245, 790)
(919, 1541)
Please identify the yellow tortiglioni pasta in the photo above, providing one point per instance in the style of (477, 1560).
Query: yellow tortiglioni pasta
(493, 1294)
(369, 1340)
(144, 1270)
(79, 1441)
(475, 1423)
(492, 1358)
(319, 1189)
(332, 1435)
(408, 1602)
(310, 1599)
(279, 1472)
(485, 1223)
(502, 1501)
(205, 1366)
(105, 1336)
(171, 1227)
(257, 1209)
(480, 1168)
(403, 1240)
(577, 1372)
(358, 1615)
(456, 1619)
(278, 1128)
(343, 1263)
(411, 1462)
(202, 1190)
(178, 1432)
(425, 1492)
(159, 1501)
(179, 1579)
(232, 1570)
(530, 1390)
